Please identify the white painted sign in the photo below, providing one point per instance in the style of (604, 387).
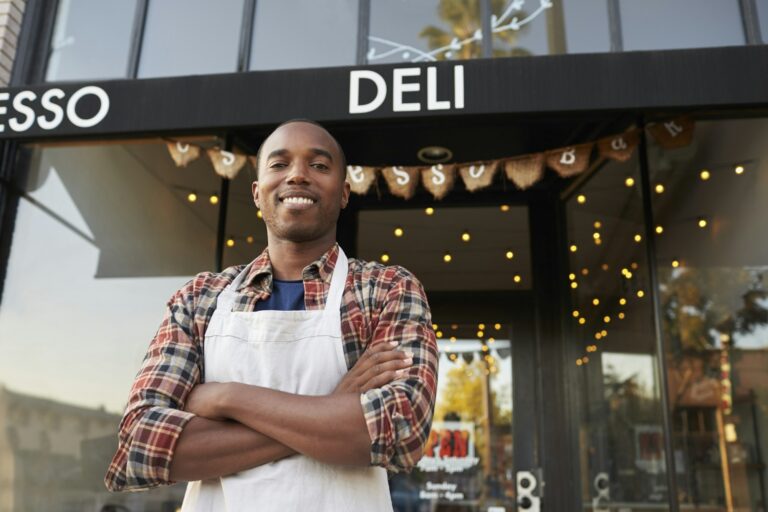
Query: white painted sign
(404, 83)
(51, 110)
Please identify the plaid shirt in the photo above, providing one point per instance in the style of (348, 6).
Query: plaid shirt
(380, 304)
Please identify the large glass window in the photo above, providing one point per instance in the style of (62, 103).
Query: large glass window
(321, 34)
(762, 13)
(610, 326)
(91, 40)
(104, 235)
(663, 25)
(713, 282)
(191, 37)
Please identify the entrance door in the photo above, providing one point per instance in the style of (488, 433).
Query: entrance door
(474, 263)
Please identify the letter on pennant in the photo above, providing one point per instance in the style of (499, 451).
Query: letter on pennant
(183, 153)
(569, 161)
(619, 147)
(478, 175)
(401, 181)
(438, 179)
(360, 178)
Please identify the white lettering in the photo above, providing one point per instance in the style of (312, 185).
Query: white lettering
(25, 110)
(673, 128)
(398, 88)
(618, 144)
(58, 112)
(355, 173)
(458, 86)
(182, 148)
(354, 91)
(100, 115)
(438, 176)
(568, 157)
(3, 109)
(402, 177)
(476, 172)
(432, 102)
(228, 158)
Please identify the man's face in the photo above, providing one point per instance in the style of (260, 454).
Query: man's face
(300, 189)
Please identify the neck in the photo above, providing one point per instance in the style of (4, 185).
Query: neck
(288, 258)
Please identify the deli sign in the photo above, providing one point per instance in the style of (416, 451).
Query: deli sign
(25, 110)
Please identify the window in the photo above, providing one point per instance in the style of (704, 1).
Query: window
(304, 34)
(91, 40)
(191, 37)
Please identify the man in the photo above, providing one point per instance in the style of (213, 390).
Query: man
(245, 390)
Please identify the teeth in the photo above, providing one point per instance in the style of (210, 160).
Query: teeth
(298, 200)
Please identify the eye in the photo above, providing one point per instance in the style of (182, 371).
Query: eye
(321, 166)
(277, 165)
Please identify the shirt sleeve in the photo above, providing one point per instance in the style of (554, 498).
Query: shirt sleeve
(154, 416)
(399, 414)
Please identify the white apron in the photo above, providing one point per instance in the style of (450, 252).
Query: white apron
(297, 352)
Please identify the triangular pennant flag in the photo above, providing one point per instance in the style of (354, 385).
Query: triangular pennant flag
(438, 179)
(360, 178)
(619, 147)
(570, 160)
(525, 171)
(226, 163)
(673, 134)
(478, 175)
(401, 180)
(254, 163)
(183, 153)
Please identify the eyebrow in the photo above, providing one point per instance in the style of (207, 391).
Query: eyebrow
(316, 151)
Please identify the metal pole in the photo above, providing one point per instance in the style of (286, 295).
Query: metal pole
(221, 231)
(661, 367)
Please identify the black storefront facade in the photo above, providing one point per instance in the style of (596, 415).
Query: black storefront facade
(595, 331)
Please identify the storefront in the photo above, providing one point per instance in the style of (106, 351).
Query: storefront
(603, 329)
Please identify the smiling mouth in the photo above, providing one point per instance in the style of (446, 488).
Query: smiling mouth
(297, 200)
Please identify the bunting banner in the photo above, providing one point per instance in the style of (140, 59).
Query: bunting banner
(569, 161)
(183, 153)
(619, 147)
(478, 175)
(401, 180)
(673, 134)
(226, 163)
(523, 171)
(438, 179)
(360, 178)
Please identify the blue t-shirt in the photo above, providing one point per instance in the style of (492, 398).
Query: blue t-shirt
(286, 296)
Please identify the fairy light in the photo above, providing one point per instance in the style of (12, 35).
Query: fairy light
(465, 236)
(439, 334)
(480, 334)
(675, 263)
(629, 182)
(447, 257)
(510, 254)
(596, 235)
(739, 169)
(598, 224)
(481, 327)
(384, 257)
(191, 197)
(581, 199)
(598, 241)
(429, 210)
(517, 278)
(595, 301)
(249, 239)
(579, 362)
(603, 333)
(623, 301)
(258, 214)
(607, 319)
(435, 327)
(231, 242)
(705, 175)
(573, 248)
(575, 313)
(634, 265)
(582, 321)
(399, 231)
(598, 335)
(497, 327)
(659, 188)
(571, 276)
(214, 199)
(640, 294)
(659, 230)
(638, 238)
(604, 266)
(701, 222)
(574, 284)
(621, 315)
(585, 271)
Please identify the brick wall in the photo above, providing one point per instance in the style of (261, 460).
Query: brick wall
(11, 12)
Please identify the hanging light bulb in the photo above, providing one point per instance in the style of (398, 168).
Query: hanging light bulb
(581, 199)
(191, 197)
(429, 210)
(595, 301)
(659, 230)
(598, 224)
(384, 257)
(504, 207)
(705, 175)
(629, 181)
(231, 242)
(258, 214)
(739, 169)
(640, 294)
(573, 248)
(574, 284)
(214, 199)
(447, 257)
(249, 239)
(575, 313)
(517, 278)
(622, 301)
(638, 238)
(465, 236)
(582, 321)
(659, 188)
(675, 263)
(510, 254)
(399, 231)
(585, 271)
(702, 222)
(497, 327)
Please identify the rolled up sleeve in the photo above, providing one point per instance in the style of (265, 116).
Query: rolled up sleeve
(154, 417)
(399, 415)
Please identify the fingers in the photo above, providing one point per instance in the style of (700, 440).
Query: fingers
(386, 367)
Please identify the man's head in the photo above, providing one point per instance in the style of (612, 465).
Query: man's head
(301, 185)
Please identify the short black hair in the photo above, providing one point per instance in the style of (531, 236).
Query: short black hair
(308, 121)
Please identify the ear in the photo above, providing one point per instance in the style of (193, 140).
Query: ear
(345, 194)
(255, 192)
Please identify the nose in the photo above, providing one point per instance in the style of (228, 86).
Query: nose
(299, 173)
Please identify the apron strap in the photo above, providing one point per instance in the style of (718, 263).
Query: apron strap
(338, 280)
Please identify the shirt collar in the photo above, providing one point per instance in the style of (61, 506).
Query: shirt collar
(259, 275)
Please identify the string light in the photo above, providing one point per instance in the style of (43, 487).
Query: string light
(480, 334)
(585, 359)
(659, 230)
(517, 278)
(595, 301)
(572, 276)
(481, 327)
(231, 242)
(607, 319)
(439, 334)
(675, 263)
(634, 265)
(575, 313)
(598, 241)
(579, 362)
(621, 315)
(429, 210)
(585, 271)
(598, 224)
(623, 301)
(453, 339)
(573, 248)
(704, 175)
(581, 199)
(659, 188)
(214, 199)
(465, 236)
(638, 238)
(399, 231)
(497, 327)
(574, 284)
(258, 214)
(491, 340)
(598, 335)
(504, 207)
(582, 321)
(603, 333)
(435, 327)
(640, 294)
(510, 254)
(629, 182)
(702, 222)
(604, 266)
(447, 257)
(192, 197)
(384, 257)
(249, 239)
(739, 169)
(596, 235)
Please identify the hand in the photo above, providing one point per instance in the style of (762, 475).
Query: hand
(207, 399)
(379, 365)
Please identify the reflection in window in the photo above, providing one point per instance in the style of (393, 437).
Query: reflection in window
(424, 31)
(713, 278)
(104, 235)
(246, 233)
(612, 335)
(322, 34)
(762, 13)
(662, 25)
(191, 37)
(91, 40)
